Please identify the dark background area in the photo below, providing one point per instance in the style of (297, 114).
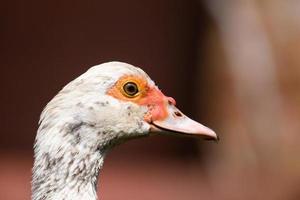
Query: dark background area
(232, 65)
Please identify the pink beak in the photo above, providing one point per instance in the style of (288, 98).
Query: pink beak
(177, 122)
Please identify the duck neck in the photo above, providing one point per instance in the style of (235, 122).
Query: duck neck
(68, 170)
(73, 176)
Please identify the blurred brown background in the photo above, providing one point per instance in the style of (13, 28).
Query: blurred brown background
(230, 64)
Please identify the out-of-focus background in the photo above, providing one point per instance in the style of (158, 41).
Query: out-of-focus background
(233, 65)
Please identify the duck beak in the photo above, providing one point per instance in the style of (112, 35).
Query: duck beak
(177, 122)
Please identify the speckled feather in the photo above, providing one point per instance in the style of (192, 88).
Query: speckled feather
(77, 127)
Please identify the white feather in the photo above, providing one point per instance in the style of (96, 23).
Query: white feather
(77, 127)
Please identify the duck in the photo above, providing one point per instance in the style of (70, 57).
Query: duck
(108, 104)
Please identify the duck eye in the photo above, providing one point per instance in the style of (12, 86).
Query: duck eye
(131, 89)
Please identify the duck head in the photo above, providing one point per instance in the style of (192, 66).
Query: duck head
(119, 101)
(109, 103)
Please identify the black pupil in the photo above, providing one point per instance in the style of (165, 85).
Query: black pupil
(131, 88)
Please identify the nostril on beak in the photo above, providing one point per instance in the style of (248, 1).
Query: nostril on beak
(178, 114)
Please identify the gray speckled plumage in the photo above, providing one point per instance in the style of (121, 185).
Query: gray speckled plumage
(77, 127)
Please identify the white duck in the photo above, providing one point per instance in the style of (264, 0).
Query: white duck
(109, 103)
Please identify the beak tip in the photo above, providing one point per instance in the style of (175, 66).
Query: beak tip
(214, 137)
(208, 133)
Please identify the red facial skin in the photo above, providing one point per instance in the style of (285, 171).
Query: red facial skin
(148, 96)
(157, 102)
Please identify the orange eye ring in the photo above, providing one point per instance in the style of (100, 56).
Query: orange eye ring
(120, 91)
(130, 89)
